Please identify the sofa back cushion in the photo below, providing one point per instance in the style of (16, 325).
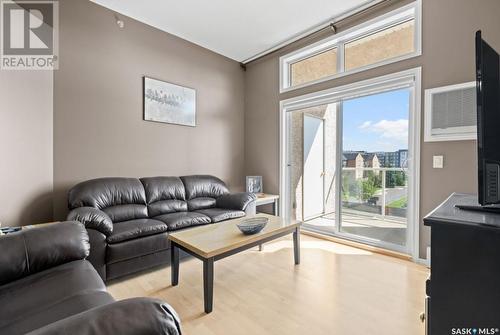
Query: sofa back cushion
(164, 195)
(201, 203)
(203, 186)
(40, 248)
(126, 212)
(202, 190)
(121, 198)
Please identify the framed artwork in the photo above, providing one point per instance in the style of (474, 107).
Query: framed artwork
(254, 184)
(169, 103)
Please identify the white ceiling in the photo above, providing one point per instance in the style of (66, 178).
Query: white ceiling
(238, 29)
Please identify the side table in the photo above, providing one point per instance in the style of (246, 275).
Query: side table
(265, 199)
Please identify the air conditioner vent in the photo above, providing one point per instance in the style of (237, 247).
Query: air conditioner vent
(450, 113)
(492, 182)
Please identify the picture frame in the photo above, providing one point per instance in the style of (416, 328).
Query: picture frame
(168, 103)
(254, 184)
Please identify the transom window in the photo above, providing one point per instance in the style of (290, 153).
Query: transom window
(389, 38)
(306, 70)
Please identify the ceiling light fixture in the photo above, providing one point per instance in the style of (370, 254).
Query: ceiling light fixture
(119, 22)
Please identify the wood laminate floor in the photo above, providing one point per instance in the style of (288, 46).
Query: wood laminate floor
(337, 289)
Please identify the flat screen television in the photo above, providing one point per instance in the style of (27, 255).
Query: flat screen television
(488, 126)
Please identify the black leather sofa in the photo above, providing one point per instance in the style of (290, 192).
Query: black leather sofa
(47, 287)
(128, 219)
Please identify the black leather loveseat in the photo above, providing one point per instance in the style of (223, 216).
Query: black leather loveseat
(47, 287)
(128, 219)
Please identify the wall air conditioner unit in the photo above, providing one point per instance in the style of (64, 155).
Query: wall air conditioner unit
(450, 113)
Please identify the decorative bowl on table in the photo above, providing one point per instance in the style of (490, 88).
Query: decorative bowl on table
(252, 226)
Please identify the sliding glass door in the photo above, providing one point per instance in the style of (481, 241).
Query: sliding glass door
(374, 168)
(347, 166)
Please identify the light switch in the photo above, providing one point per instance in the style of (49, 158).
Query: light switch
(437, 162)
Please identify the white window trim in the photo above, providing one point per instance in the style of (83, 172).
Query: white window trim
(402, 14)
(358, 89)
(463, 133)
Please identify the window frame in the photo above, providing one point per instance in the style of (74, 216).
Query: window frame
(409, 78)
(400, 15)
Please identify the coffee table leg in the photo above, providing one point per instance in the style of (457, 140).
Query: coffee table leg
(174, 264)
(296, 245)
(208, 283)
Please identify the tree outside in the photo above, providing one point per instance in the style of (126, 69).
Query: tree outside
(370, 185)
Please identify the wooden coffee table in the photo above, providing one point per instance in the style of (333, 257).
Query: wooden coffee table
(213, 242)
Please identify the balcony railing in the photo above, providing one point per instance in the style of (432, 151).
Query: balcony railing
(380, 191)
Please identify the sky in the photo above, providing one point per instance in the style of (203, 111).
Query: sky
(377, 122)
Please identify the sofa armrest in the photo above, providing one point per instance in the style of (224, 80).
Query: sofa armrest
(97, 256)
(126, 317)
(236, 201)
(92, 218)
(39, 248)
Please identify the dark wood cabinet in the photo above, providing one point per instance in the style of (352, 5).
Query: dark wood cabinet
(464, 286)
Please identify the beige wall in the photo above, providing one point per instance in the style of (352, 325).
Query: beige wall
(25, 147)
(448, 58)
(98, 126)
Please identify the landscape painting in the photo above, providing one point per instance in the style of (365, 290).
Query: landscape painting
(169, 103)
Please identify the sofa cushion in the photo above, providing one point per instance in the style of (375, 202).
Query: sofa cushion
(201, 203)
(167, 206)
(107, 192)
(219, 214)
(164, 195)
(198, 186)
(136, 248)
(126, 212)
(163, 188)
(50, 295)
(180, 220)
(128, 230)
